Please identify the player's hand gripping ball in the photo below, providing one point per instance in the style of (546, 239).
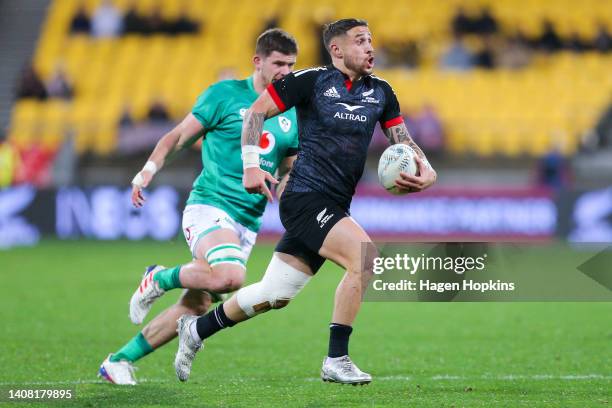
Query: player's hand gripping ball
(396, 159)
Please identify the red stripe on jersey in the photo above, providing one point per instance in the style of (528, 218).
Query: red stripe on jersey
(393, 122)
(140, 288)
(348, 84)
(277, 100)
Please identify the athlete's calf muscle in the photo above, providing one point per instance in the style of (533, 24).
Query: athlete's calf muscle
(220, 278)
(195, 301)
(162, 328)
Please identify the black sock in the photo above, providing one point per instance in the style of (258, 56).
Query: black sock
(338, 339)
(212, 322)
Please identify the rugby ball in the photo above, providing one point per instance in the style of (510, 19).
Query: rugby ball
(396, 159)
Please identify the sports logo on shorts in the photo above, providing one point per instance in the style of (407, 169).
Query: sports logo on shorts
(188, 234)
(322, 218)
(321, 214)
(284, 123)
(267, 142)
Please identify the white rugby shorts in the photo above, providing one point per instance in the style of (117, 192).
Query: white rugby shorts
(202, 219)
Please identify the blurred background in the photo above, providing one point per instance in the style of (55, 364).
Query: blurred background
(510, 99)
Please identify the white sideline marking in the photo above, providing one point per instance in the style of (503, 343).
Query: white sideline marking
(76, 382)
(554, 377)
(507, 377)
(445, 377)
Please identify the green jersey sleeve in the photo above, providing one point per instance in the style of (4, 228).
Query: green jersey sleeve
(294, 146)
(208, 108)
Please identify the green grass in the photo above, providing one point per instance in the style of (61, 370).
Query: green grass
(64, 308)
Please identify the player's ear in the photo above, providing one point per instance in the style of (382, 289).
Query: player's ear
(257, 61)
(334, 49)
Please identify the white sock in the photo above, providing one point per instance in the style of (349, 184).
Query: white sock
(193, 330)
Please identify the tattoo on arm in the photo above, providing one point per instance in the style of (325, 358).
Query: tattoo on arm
(416, 148)
(399, 134)
(252, 128)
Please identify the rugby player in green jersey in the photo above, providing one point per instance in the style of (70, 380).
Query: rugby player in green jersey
(221, 219)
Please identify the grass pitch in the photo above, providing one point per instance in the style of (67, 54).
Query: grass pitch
(64, 308)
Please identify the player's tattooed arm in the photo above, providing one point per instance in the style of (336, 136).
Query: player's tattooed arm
(252, 127)
(399, 134)
(426, 174)
(254, 178)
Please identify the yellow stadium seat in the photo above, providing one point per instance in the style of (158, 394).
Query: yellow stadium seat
(25, 122)
(54, 119)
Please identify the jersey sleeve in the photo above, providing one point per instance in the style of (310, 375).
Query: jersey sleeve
(208, 108)
(293, 147)
(294, 144)
(294, 89)
(391, 115)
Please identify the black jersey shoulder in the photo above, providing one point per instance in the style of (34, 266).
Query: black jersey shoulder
(296, 88)
(391, 115)
(382, 83)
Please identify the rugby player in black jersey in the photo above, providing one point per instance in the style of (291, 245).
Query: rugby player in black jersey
(338, 107)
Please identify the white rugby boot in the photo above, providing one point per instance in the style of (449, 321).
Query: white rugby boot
(120, 372)
(343, 370)
(187, 347)
(145, 295)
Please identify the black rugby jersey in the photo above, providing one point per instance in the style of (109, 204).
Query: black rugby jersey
(336, 120)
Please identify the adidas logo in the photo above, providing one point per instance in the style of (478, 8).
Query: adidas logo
(331, 93)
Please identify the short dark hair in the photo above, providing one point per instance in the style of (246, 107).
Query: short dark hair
(275, 39)
(340, 27)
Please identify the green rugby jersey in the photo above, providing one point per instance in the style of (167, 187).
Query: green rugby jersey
(220, 109)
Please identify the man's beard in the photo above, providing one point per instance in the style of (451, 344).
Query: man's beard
(355, 65)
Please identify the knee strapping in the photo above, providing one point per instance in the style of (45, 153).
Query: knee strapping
(280, 284)
(226, 254)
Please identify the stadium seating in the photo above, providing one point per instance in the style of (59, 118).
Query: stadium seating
(552, 103)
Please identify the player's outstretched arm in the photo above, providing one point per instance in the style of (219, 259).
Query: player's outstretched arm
(426, 175)
(182, 136)
(254, 178)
